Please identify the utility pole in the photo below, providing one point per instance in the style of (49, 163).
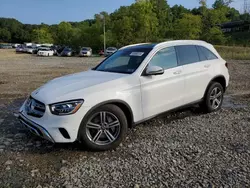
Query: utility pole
(246, 6)
(104, 34)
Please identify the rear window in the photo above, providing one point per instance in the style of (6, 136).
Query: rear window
(85, 49)
(187, 54)
(204, 52)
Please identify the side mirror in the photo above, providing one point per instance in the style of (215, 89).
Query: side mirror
(154, 70)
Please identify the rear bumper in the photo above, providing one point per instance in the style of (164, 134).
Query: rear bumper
(84, 55)
(35, 128)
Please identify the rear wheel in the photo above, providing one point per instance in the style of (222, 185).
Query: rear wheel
(104, 128)
(213, 98)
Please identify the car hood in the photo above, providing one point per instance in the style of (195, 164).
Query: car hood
(56, 90)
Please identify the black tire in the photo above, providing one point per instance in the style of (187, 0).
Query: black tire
(84, 134)
(206, 105)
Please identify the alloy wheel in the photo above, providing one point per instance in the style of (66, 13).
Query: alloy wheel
(215, 98)
(103, 128)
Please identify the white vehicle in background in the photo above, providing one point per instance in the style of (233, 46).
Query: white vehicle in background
(15, 45)
(30, 49)
(135, 84)
(45, 52)
(110, 50)
(85, 52)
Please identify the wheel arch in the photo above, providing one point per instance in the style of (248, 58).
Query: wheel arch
(121, 104)
(220, 79)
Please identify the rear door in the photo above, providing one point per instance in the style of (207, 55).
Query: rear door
(162, 92)
(197, 70)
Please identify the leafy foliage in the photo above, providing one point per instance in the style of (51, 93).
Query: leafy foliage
(41, 36)
(188, 27)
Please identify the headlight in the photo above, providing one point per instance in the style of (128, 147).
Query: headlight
(66, 108)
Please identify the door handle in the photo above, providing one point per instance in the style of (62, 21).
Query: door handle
(177, 72)
(207, 66)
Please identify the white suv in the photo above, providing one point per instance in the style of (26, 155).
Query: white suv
(136, 83)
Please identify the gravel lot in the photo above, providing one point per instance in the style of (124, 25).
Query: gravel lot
(182, 149)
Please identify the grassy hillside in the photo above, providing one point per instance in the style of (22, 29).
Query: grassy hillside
(234, 52)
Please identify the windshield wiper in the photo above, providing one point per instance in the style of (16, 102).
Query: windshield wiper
(121, 72)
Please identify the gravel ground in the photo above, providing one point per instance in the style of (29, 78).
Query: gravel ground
(181, 149)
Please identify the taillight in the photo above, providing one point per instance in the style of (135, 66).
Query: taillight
(226, 64)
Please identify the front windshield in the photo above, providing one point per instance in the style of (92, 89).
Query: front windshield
(67, 49)
(111, 48)
(124, 61)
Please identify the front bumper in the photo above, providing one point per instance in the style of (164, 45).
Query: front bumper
(85, 55)
(35, 128)
(51, 125)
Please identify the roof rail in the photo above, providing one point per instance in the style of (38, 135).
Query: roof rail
(180, 41)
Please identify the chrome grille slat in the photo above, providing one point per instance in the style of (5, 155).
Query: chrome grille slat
(34, 108)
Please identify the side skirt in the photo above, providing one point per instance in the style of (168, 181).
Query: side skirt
(169, 111)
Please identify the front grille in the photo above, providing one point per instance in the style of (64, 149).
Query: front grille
(34, 108)
(32, 128)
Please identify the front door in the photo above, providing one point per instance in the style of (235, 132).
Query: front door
(161, 93)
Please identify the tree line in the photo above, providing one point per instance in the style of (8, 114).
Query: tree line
(143, 21)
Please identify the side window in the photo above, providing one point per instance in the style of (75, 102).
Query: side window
(209, 55)
(165, 58)
(201, 54)
(187, 54)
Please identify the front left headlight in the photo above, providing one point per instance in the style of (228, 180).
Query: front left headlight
(66, 108)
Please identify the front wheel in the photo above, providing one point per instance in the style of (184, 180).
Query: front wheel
(104, 128)
(213, 98)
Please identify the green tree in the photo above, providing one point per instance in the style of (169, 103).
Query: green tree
(218, 4)
(145, 22)
(164, 16)
(64, 33)
(215, 36)
(41, 36)
(123, 31)
(178, 11)
(5, 35)
(188, 27)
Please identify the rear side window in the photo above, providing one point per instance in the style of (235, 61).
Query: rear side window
(207, 53)
(187, 54)
(165, 58)
(201, 54)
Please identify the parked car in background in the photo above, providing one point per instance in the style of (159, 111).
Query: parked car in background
(85, 52)
(67, 51)
(30, 49)
(45, 52)
(37, 49)
(20, 49)
(101, 53)
(54, 48)
(110, 51)
(15, 45)
(5, 46)
(135, 84)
